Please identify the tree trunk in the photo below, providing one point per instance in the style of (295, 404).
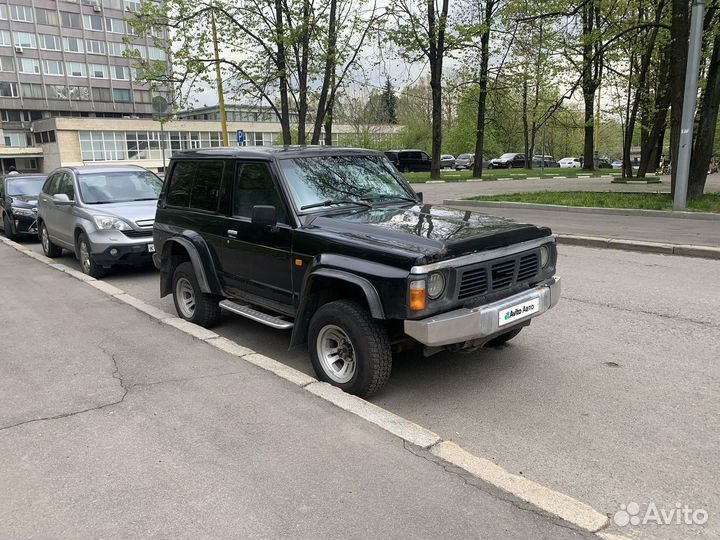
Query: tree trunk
(705, 138)
(436, 34)
(650, 154)
(589, 136)
(591, 61)
(282, 73)
(482, 97)
(303, 73)
(679, 32)
(329, 111)
(328, 76)
(526, 127)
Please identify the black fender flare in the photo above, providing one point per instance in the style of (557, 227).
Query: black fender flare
(305, 309)
(200, 258)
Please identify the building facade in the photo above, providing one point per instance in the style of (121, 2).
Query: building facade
(65, 59)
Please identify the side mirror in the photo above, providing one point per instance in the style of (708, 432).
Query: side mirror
(420, 195)
(62, 200)
(264, 215)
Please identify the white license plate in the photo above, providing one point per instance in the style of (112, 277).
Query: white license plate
(519, 311)
(151, 248)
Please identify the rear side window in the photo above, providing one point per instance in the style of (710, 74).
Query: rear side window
(196, 184)
(410, 155)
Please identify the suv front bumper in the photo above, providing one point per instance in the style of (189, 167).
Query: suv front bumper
(461, 325)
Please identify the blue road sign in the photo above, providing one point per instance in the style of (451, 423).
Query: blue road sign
(240, 137)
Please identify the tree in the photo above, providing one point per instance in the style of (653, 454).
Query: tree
(389, 104)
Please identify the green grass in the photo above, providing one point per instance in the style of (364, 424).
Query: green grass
(514, 174)
(645, 201)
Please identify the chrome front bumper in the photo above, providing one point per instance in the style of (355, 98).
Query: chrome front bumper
(464, 324)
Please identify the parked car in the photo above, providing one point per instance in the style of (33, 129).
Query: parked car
(409, 160)
(617, 164)
(18, 204)
(447, 161)
(508, 161)
(334, 245)
(604, 163)
(570, 163)
(104, 215)
(549, 161)
(465, 161)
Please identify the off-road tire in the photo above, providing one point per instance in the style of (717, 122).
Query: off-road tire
(502, 339)
(369, 339)
(49, 249)
(207, 311)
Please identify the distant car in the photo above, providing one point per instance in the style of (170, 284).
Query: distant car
(617, 164)
(18, 203)
(604, 163)
(409, 160)
(464, 161)
(570, 163)
(549, 161)
(508, 161)
(104, 215)
(446, 160)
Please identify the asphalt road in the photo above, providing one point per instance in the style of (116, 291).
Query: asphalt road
(612, 397)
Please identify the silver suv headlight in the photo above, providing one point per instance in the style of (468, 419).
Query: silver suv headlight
(107, 223)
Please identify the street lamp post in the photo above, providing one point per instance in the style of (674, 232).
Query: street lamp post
(689, 102)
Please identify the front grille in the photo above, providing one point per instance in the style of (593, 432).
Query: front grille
(142, 223)
(492, 276)
(138, 234)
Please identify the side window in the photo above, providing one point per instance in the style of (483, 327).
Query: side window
(412, 155)
(50, 186)
(181, 183)
(254, 185)
(66, 186)
(206, 187)
(425, 157)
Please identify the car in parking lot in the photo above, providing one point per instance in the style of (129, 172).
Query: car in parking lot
(18, 204)
(447, 161)
(570, 163)
(508, 161)
(333, 245)
(617, 164)
(104, 215)
(545, 161)
(409, 160)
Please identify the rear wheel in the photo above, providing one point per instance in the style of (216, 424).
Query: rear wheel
(349, 349)
(190, 302)
(49, 249)
(503, 338)
(84, 255)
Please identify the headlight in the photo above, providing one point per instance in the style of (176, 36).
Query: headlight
(544, 255)
(436, 285)
(108, 222)
(27, 212)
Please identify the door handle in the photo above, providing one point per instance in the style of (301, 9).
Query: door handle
(232, 233)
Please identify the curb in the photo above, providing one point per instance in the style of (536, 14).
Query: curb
(552, 502)
(707, 216)
(680, 250)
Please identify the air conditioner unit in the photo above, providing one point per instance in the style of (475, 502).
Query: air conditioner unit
(97, 8)
(18, 49)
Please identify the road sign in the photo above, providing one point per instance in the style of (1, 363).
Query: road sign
(240, 137)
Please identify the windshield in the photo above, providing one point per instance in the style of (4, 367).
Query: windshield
(29, 187)
(113, 187)
(464, 156)
(318, 180)
(507, 156)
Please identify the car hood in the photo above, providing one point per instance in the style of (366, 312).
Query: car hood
(24, 201)
(427, 231)
(129, 211)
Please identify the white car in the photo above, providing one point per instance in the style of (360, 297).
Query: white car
(617, 164)
(570, 163)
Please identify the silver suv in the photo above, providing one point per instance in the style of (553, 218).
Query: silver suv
(104, 215)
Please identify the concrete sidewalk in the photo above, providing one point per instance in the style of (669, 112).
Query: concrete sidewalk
(113, 424)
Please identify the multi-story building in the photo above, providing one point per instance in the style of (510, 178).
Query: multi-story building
(65, 58)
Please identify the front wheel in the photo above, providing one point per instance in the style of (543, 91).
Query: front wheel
(349, 349)
(84, 255)
(190, 302)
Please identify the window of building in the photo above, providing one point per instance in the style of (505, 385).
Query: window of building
(121, 96)
(98, 71)
(115, 48)
(31, 90)
(18, 138)
(28, 65)
(261, 139)
(93, 22)
(113, 4)
(44, 137)
(73, 44)
(70, 20)
(95, 47)
(101, 94)
(132, 5)
(21, 13)
(79, 93)
(57, 91)
(8, 89)
(5, 40)
(142, 96)
(76, 69)
(53, 67)
(49, 42)
(115, 26)
(7, 64)
(26, 40)
(120, 73)
(46, 16)
(154, 53)
(3, 12)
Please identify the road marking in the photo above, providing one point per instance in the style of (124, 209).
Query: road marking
(572, 510)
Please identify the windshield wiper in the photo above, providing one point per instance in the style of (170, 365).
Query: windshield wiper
(391, 196)
(338, 201)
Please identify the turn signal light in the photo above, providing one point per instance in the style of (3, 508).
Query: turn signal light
(417, 295)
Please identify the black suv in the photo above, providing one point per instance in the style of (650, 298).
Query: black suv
(409, 160)
(18, 203)
(335, 245)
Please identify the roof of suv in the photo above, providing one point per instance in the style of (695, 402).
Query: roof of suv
(272, 152)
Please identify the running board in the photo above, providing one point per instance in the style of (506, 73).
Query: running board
(255, 315)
